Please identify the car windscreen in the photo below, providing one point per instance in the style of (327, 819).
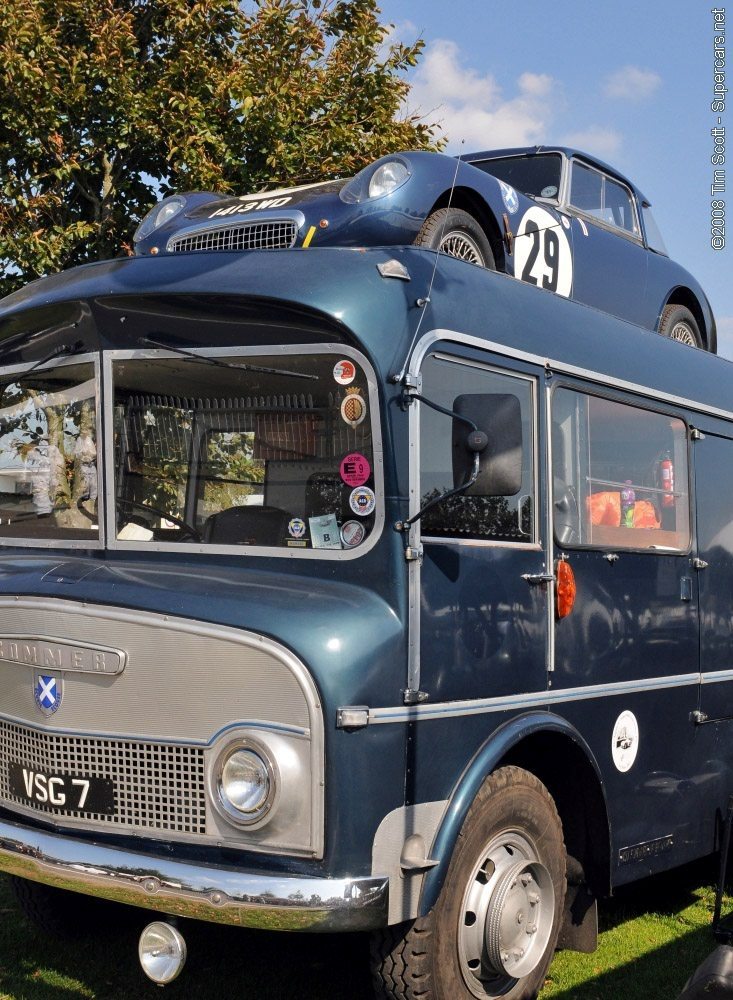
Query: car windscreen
(536, 175)
(269, 450)
(48, 455)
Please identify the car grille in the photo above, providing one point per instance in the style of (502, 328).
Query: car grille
(243, 236)
(158, 786)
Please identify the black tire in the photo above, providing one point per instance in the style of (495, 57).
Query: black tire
(678, 323)
(513, 826)
(59, 913)
(456, 233)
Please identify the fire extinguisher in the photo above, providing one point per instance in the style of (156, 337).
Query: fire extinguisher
(666, 470)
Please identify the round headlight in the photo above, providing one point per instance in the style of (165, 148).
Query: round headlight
(388, 178)
(246, 784)
(161, 213)
(162, 952)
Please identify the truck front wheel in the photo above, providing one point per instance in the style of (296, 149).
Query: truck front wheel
(493, 931)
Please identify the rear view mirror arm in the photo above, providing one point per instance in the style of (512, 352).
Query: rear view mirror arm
(477, 441)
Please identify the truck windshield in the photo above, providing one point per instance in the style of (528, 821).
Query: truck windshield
(48, 454)
(267, 450)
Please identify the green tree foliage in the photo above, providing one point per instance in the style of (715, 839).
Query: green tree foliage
(105, 105)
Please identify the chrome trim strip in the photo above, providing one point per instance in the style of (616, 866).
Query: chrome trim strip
(204, 892)
(247, 551)
(533, 699)
(716, 676)
(559, 368)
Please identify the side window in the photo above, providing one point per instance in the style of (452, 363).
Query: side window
(620, 475)
(602, 198)
(500, 505)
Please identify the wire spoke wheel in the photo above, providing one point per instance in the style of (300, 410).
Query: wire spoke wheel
(459, 244)
(683, 333)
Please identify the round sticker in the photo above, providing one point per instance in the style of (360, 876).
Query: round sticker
(549, 192)
(542, 255)
(625, 741)
(353, 408)
(296, 527)
(355, 469)
(352, 534)
(510, 197)
(362, 501)
(344, 372)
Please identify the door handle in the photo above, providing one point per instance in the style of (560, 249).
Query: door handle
(533, 579)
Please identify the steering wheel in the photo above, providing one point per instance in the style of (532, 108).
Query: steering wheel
(189, 529)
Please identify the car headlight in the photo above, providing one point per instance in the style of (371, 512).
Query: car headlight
(388, 178)
(246, 783)
(161, 213)
(376, 180)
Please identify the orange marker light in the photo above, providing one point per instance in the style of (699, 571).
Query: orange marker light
(565, 589)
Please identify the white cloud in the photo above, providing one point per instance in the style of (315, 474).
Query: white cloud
(600, 141)
(631, 83)
(725, 336)
(471, 107)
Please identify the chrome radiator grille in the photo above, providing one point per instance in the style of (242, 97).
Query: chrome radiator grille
(157, 786)
(243, 236)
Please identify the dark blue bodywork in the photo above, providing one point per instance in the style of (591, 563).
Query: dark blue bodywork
(626, 274)
(427, 753)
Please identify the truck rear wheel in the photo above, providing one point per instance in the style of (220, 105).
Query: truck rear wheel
(493, 931)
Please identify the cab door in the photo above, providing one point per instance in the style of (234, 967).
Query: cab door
(714, 504)
(483, 603)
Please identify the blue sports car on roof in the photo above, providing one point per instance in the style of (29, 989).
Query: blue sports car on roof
(551, 216)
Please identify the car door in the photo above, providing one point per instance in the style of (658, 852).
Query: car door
(483, 621)
(610, 261)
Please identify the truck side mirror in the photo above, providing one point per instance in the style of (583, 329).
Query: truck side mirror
(498, 417)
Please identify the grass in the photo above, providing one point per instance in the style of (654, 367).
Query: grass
(653, 936)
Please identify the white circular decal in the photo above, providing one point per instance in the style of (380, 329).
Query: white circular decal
(542, 254)
(362, 501)
(625, 741)
(510, 197)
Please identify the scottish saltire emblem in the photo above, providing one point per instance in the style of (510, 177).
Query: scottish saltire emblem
(48, 691)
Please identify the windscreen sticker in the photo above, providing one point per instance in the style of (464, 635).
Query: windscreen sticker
(510, 197)
(296, 527)
(625, 741)
(362, 501)
(352, 534)
(344, 372)
(542, 253)
(325, 532)
(355, 469)
(353, 408)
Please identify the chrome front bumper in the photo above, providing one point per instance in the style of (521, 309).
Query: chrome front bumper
(203, 892)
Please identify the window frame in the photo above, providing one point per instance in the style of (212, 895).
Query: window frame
(22, 541)
(638, 404)
(635, 236)
(336, 351)
(443, 354)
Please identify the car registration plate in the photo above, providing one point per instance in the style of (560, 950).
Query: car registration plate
(68, 792)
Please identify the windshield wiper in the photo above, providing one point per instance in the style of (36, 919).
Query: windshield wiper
(57, 352)
(224, 364)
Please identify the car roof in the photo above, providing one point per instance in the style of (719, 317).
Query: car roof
(569, 151)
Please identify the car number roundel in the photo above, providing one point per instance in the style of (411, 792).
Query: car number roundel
(542, 254)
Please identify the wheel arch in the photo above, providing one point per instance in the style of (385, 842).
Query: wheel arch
(472, 202)
(683, 296)
(550, 748)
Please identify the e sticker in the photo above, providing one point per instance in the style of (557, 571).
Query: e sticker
(344, 372)
(353, 408)
(325, 532)
(355, 469)
(352, 534)
(362, 501)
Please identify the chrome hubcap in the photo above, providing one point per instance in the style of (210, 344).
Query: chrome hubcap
(456, 243)
(506, 916)
(682, 332)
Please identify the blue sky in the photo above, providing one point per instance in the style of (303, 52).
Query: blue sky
(630, 82)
